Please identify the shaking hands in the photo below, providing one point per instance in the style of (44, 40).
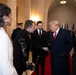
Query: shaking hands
(45, 48)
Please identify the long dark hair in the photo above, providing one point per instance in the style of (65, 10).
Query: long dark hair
(4, 11)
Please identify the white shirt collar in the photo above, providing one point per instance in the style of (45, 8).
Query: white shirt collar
(39, 30)
(57, 31)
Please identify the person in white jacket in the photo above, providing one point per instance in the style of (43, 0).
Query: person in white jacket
(6, 49)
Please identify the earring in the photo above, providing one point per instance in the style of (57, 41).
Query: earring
(6, 21)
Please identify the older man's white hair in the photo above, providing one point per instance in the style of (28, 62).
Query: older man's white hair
(55, 22)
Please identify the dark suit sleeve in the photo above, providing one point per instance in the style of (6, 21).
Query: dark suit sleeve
(34, 43)
(36, 46)
(69, 41)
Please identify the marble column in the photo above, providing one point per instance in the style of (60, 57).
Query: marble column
(27, 9)
(12, 5)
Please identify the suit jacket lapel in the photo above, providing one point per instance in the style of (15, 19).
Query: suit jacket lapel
(51, 36)
(37, 32)
(59, 33)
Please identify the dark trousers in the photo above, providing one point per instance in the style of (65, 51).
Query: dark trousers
(19, 67)
(74, 64)
(40, 61)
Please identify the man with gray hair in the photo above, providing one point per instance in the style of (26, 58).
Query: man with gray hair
(61, 44)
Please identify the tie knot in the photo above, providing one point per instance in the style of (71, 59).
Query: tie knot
(54, 33)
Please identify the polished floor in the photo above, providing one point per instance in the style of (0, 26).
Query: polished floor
(27, 73)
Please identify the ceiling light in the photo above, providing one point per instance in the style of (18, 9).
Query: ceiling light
(63, 2)
(35, 18)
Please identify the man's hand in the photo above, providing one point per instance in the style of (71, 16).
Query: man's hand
(45, 48)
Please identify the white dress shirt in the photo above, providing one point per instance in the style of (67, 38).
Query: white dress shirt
(6, 55)
(56, 31)
(39, 30)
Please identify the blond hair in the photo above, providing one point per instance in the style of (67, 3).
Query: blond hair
(55, 22)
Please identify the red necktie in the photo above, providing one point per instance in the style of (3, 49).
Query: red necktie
(55, 35)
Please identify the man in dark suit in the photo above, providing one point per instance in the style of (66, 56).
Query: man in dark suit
(40, 47)
(22, 45)
(61, 44)
(15, 31)
(74, 53)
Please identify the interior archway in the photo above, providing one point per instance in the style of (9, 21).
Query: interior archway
(63, 13)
